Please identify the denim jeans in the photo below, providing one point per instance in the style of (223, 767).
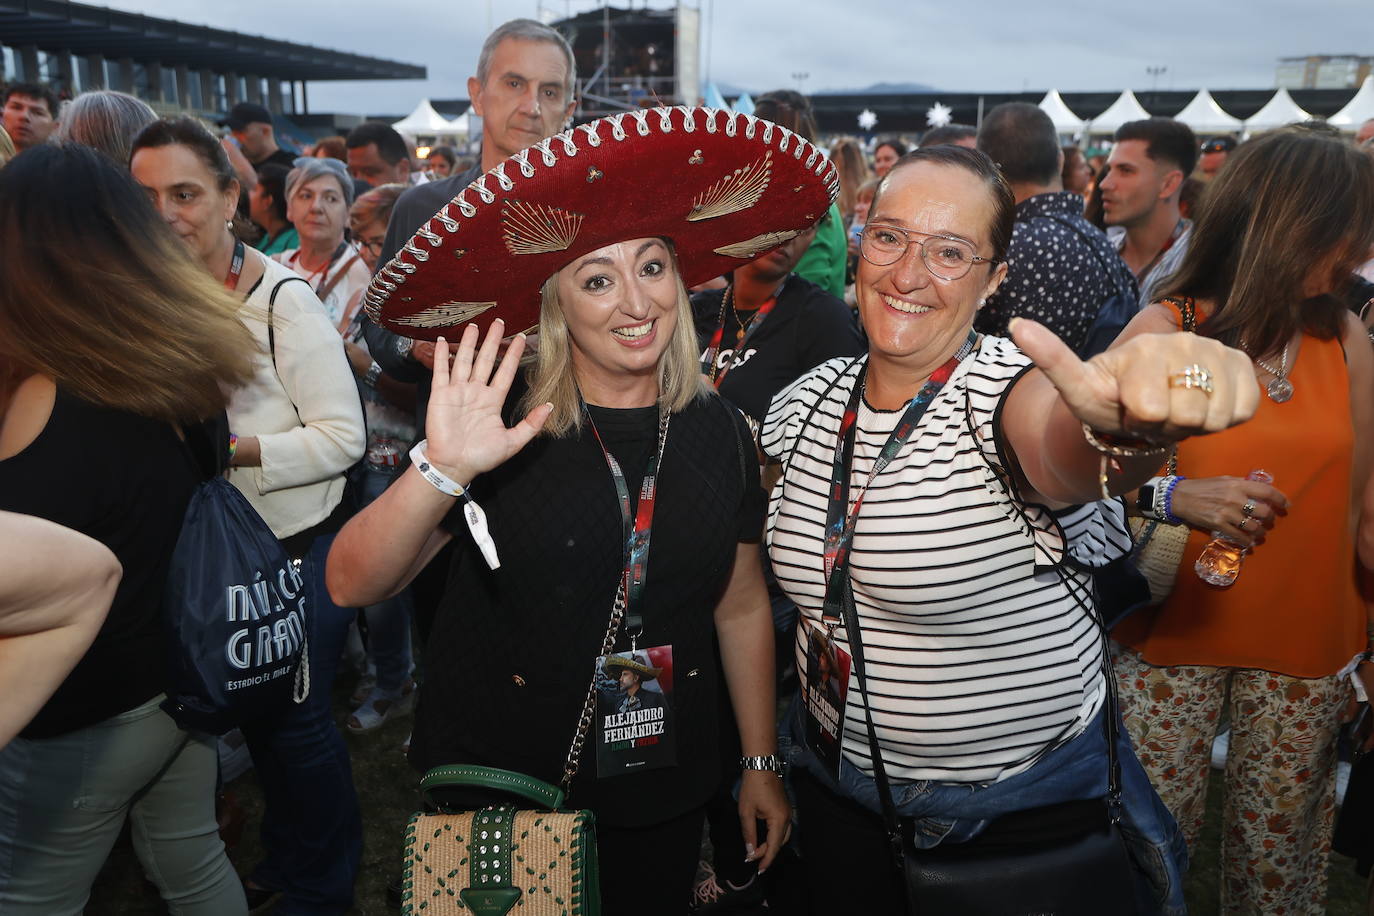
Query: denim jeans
(64, 800)
(388, 622)
(958, 812)
(311, 826)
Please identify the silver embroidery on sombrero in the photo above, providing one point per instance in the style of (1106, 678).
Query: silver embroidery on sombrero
(752, 248)
(550, 159)
(415, 251)
(434, 240)
(522, 159)
(501, 179)
(739, 190)
(448, 222)
(537, 228)
(441, 316)
(467, 209)
(593, 138)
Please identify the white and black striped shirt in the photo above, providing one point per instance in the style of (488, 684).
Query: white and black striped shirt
(979, 658)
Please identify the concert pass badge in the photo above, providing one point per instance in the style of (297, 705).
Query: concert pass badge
(635, 728)
(823, 693)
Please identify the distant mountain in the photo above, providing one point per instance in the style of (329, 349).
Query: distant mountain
(880, 89)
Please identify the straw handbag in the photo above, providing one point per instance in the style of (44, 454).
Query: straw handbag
(538, 861)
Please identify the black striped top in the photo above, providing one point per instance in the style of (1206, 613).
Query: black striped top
(980, 659)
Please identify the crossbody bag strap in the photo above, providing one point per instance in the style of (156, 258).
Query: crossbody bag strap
(856, 652)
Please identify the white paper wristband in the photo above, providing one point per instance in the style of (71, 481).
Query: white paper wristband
(472, 513)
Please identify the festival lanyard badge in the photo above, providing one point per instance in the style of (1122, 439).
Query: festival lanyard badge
(235, 267)
(635, 728)
(827, 665)
(717, 373)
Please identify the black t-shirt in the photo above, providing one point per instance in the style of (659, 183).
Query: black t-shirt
(280, 157)
(512, 651)
(124, 480)
(807, 327)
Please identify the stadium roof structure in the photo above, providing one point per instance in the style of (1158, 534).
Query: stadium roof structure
(82, 29)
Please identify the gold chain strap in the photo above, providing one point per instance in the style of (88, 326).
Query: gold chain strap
(584, 723)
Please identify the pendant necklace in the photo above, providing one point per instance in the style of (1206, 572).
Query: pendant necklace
(1280, 389)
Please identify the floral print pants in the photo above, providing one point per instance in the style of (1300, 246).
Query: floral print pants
(1280, 771)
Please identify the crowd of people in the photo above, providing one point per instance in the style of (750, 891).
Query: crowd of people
(911, 417)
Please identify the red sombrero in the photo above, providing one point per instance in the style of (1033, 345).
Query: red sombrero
(723, 187)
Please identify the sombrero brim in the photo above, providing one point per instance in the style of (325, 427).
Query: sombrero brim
(616, 664)
(723, 187)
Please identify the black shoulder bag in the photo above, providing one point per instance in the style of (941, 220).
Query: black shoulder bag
(1067, 859)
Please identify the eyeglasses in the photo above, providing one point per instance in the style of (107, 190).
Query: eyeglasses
(374, 246)
(946, 258)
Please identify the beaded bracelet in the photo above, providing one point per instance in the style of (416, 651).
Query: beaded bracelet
(1167, 503)
(1112, 447)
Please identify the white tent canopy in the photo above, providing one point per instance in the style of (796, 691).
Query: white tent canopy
(424, 121)
(1277, 112)
(1125, 108)
(1357, 110)
(1205, 116)
(1065, 121)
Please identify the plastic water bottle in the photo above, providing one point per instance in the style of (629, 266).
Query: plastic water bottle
(384, 454)
(1220, 561)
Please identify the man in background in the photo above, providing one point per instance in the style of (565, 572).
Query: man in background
(1140, 198)
(30, 114)
(251, 126)
(1060, 267)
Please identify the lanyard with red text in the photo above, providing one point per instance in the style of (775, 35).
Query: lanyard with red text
(717, 374)
(235, 267)
(636, 525)
(839, 518)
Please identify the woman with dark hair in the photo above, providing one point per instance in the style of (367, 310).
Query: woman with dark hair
(334, 147)
(972, 492)
(296, 428)
(1285, 225)
(824, 261)
(441, 161)
(267, 207)
(885, 155)
(112, 334)
(1075, 173)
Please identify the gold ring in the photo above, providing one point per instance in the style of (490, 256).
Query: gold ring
(1248, 510)
(1243, 522)
(1193, 376)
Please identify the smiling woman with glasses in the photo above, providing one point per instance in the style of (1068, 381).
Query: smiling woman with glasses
(941, 501)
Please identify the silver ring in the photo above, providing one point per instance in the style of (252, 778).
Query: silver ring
(1248, 510)
(1242, 523)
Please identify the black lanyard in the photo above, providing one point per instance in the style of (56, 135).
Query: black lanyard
(840, 520)
(636, 525)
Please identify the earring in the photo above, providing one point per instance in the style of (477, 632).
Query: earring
(982, 302)
(229, 224)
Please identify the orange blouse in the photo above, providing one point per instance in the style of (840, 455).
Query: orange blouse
(1295, 608)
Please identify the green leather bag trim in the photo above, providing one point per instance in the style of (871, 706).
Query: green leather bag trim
(496, 901)
(527, 787)
(407, 874)
(585, 864)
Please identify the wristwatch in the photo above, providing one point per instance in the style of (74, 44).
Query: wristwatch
(1145, 499)
(772, 764)
(403, 347)
(374, 372)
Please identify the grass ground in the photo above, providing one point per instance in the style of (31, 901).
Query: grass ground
(385, 784)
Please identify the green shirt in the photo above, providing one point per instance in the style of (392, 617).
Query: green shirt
(288, 238)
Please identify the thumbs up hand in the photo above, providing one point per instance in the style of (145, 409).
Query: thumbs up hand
(1162, 387)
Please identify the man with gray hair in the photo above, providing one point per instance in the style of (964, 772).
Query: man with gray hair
(1061, 270)
(523, 92)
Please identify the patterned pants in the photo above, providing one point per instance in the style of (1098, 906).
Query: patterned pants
(1280, 772)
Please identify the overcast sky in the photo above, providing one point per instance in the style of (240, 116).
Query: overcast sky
(983, 45)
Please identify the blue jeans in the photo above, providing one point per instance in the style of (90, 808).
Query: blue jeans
(388, 622)
(64, 800)
(312, 831)
(958, 812)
